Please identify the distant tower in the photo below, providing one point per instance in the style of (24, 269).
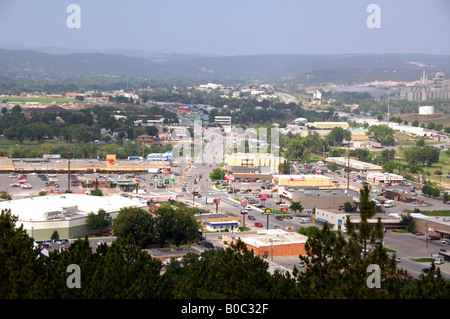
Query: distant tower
(438, 81)
(424, 78)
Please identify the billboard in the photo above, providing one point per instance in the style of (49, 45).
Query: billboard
(110, 160)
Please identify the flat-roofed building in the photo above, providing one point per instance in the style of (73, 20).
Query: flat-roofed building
(336, 219)
(358, 166)
(223, 119)
(66, 213)
(273, 243)
(385, 178)
(328, 125)
(220, 222)
(253, 162)
(433, 225)
(318, 181)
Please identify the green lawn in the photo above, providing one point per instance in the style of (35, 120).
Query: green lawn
(423, 260)
(42, 100)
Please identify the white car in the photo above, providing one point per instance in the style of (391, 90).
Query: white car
(444, 241)
(438, 261)
(397, 259)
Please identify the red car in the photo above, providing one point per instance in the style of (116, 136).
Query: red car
(258, 225)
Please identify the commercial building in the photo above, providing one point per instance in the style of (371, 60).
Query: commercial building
(399, 195)
(67, 214)
(328, 125)
(385, 178)
(223, 120)
(309, 202)
(358, 166)
(273, 243)
(316, 181)
(253, 163)
(61, 166)
(220, 222)
(432, 225)
(365, 144)
(336, 218)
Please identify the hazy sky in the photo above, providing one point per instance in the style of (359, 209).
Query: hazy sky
(231, 27)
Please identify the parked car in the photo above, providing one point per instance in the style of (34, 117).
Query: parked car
(444, 240)
(434, 237)
(438, 261)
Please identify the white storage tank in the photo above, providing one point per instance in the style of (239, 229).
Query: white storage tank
(426, 110)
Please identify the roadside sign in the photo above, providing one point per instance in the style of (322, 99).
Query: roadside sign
(244, 202)
(268, 211)
(243, 212)
(284, 209)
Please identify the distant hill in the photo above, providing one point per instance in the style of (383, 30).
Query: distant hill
(29, 65)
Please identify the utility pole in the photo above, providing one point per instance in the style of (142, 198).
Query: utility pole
(68, 168)
(348, 166)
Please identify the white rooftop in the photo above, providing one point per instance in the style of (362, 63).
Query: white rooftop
(300, 176)
(34, 209)
(274, 237)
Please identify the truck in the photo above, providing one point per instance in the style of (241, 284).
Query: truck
(153, 170)
(160, 184)
(304, 220)
(388, 203)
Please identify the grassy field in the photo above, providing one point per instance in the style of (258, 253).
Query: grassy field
(42, 100)
(443, 119)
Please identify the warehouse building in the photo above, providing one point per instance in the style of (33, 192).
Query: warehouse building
(67, 213)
